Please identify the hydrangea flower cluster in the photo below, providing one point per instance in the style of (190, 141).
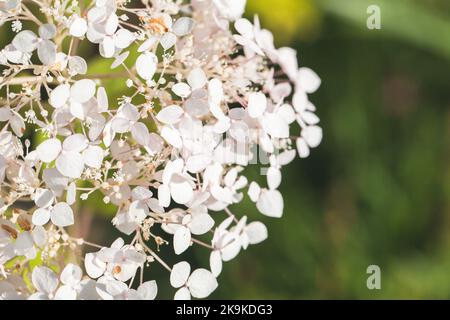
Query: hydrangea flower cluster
(207, 94)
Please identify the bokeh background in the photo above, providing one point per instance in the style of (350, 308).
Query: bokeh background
(377, 191)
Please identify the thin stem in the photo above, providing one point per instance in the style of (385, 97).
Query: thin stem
(87, 243)
(230, 214)
(153, 254)
(199, 242)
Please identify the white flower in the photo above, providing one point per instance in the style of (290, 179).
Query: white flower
(230, 9)
(72, 155)
(120, 261)
(200, 283)
(146, 65)
(176, 184)
(228, 243)
(61, 215)
(71, 283)
(27, 41)
(45, 281)
(246, 37)
(110, 289)
(103, 28)
(78, 27)
(128, 221)
(183, 226)
(15, 120)
(197, 99)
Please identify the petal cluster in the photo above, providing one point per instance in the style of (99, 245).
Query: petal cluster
(182, 97)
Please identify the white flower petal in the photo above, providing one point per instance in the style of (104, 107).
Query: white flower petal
(39, 235)
(47, 31)
(231, 250)
(93, 157)
(25, 41)
(46, 50)
(59, 96)
(123, 38)
(168, 40)
(87, 290)
(183, 26)
(197, 78)
(146, 65)
(215, 262)
(40, 217)
(82, 91)
(148, 44)
(180, 274)
(71, 275)
(170, 114)
(43, 198)
(107, 47)
(181, 190)
(17, 125)
(172, 136)
(164, 195)
(245, 28)
(77, 65)
(182, 294)
(181, 89)
(222, 126)
(24, 243)
(71, 193)
(201, 283)
(273, 178)
(49, 150)
(215, 96)
(65, 293)
(78, 27)
(254, 191)
(302, 148)
(310, 118)
(70, 164)
(201, 224)
(198, 163)
(62, 215)
(312, 135)
(5, 114)
(55, 181)
(138, 210)
(270, 203)
(75, 143)
(120, 125)
(275, 126)
(120, 59)
(308, 80)
(44, 279)
(112, 23)
(285, 157)
(181, 240)
(148, 290)
(256, 232)
(94, 266)
(78, 110)
(287, 113)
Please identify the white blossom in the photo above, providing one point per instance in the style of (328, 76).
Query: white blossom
(160, 126)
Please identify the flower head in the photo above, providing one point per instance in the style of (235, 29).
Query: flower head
(189, 95)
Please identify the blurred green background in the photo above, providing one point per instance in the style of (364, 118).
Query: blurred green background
(377, 191)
